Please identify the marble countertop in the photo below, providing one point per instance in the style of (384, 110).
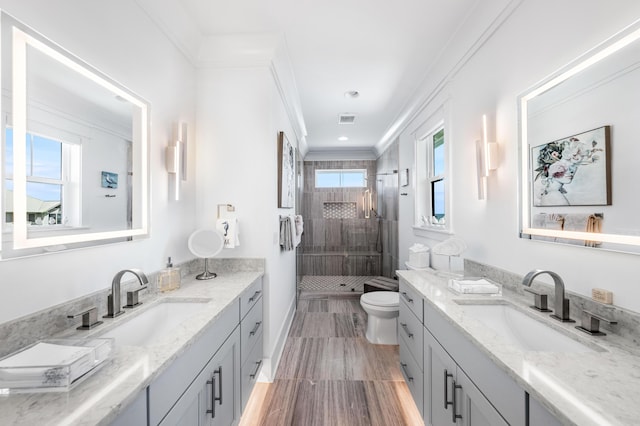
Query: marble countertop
(600, 387)
(105, 394)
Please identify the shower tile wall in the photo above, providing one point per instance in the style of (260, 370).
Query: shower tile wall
(338, 246)
(387, 187)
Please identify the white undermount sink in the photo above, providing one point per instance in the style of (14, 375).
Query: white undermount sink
(521, 330)
(154, 322)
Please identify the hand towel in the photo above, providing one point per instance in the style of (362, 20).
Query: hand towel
(228, 227)
(299, 225)
(450, 247)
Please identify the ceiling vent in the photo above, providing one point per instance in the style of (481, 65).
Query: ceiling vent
(346, 118)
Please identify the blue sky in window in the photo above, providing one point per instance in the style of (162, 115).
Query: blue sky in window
(47, 163)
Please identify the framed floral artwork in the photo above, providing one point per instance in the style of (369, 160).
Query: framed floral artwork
(573, 171)
(286, 168)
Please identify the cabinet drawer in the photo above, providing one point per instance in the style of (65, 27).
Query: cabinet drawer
(170, 385)
(412, 298)
(251, 329)
(413, 376)
(250, 297)
(410, 331)
(250, 370)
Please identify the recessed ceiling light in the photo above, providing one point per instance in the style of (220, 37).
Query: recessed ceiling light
(343, 138)
(351, 94)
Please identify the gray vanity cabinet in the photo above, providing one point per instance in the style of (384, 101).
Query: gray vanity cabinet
(213, 397)
(182, 386)
(410, 340)
(451, 397)
(251, 327)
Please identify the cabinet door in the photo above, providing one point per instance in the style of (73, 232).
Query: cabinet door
(214, 396)
(442, 372)
(471, 405)
(223, 387)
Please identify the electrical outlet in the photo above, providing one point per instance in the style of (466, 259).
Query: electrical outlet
(601, 295)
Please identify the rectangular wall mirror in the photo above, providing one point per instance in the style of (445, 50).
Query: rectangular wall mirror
(579, 150)
(74, 150)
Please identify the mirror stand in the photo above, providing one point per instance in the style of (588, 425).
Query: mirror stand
(206, 275)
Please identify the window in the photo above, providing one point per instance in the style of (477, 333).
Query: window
(431, 167)
(341, 178)
(47, 182)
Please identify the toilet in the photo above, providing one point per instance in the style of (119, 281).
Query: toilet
(382, 316)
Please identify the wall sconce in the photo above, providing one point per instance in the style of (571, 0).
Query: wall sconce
(367, 198)
(486, 159)
(176, 159)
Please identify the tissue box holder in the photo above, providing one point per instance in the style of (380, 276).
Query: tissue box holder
(55, 377)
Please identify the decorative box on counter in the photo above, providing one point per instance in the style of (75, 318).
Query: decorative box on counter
(52, 365)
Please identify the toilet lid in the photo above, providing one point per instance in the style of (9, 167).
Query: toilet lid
(381, 298)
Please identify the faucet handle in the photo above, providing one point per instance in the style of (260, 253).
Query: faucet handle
(590, 323)
(89, 318)
(540, 300)
(132, 297)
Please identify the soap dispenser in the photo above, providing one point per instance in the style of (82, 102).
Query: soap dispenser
(169, 278)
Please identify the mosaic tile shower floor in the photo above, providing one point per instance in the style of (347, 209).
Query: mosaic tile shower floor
(333, 283)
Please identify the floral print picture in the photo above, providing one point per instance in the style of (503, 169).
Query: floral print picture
(573, 171)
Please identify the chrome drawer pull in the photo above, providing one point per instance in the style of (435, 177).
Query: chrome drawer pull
(406, 373)
(406, 297)
(406, 330)
(255, 372)
(255, 296)
(454, 415)
(446, 391)
(255, 329)
(212, 382)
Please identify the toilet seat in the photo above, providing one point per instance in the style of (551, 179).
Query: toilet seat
(381, 299)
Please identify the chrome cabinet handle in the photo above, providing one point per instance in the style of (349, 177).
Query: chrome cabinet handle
(219, 372)
(255, 372)
(446, 389)
(406, 330)
(455, 416)
(255, 296)
(406, 373)
(255, 329)
(406, 297)
(212, 382)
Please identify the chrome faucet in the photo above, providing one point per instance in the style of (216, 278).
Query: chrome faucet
(113, 300)
(561, 304)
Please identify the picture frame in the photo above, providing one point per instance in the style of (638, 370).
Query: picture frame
(109, 180)
(286, 172)
(573, 171)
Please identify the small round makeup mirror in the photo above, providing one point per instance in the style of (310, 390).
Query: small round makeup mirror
(205, 243)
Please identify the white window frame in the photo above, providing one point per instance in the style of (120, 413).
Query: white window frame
(340, 171)
(69, 182)
(423, 219)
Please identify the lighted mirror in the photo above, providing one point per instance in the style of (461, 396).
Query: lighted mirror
(74, 150)
(579, 150)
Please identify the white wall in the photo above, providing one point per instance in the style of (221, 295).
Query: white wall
(240, 113)
(118, 38)
(539, 37)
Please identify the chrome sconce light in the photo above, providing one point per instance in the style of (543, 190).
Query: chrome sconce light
(176, 161)
(486, 159)
(367, 203)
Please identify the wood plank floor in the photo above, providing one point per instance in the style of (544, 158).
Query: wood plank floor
(330, 374)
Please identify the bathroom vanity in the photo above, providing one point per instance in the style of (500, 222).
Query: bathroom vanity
(463, 366)
(199, 370)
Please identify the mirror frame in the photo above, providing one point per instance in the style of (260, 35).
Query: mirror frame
(613, 44)
(24, 36)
